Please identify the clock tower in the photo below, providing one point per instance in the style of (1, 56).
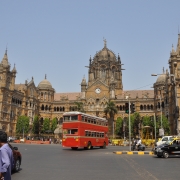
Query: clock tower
(104, 79)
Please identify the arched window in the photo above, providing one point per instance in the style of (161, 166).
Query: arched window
(148, 107)
(144, 107)
(103, 72)
(57, 108)
(54, 108)
(61, 120)
(152, 107)
(46, 108)
(141, 107)
(114, 72)
(163, 104)
(120, 108)
(42, 107)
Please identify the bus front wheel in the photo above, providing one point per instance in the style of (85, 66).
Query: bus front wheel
(104, 146)
(89, 146)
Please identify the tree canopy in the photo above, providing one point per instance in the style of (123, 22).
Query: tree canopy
(53, 124)
(46, 125)
(110, 110)
(35, 128)
(22, 124)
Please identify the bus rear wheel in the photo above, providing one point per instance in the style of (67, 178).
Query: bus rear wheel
(74, 148)
(89, 146)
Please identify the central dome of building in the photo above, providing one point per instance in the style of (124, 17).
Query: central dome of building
(45, 84)
(105, 54)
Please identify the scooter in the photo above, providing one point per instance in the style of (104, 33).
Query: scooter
(140, 147)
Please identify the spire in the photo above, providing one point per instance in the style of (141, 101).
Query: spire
(178, 44)
(45, 76)
(163, 70)
(14, 68)
(119, 59)
(105, 43)
(83, 81)
(90, 61)
(5, 59)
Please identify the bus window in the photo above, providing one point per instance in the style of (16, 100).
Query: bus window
(72, 131)
(102, 134)
(89, 133)
(85, 119)
(94, 121)
(97, 134)
(66, 118)
(89, 120)
(82, 118)
(86, 133)
(93, 134)
(74, 118)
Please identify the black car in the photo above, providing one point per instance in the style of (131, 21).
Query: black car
(168, 148)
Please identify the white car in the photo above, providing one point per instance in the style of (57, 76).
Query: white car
(164, 139)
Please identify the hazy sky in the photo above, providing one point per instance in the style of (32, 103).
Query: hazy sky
(56, 38)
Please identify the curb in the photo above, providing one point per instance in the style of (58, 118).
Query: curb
(134, 152)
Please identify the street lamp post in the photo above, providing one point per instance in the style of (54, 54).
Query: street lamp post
(161, 110)
(176, 102)
(127, 97)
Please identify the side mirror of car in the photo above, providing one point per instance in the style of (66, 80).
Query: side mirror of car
(15, 148)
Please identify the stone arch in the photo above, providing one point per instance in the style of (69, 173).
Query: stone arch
(141, 107)
(42, 107)
(54, 108)
(152, 107)
(120, 108)
(148, 107)
(144, 107)
(46, 107)
(57, 109)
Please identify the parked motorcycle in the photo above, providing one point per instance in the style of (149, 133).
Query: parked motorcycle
(141, 147)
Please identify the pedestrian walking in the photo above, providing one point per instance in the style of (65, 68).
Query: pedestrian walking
(6, 157)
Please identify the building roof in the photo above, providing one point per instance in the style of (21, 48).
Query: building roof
(67, 96)
(136, 94)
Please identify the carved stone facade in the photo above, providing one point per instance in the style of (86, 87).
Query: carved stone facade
(104, 83)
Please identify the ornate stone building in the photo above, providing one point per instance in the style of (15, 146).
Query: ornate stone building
(104, 83)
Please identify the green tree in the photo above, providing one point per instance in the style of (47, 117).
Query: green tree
(119, 126)
(165, 124)
(35, 128)
(22, 124)
(80, 106)
(53, 124)
(46, 125)
(110, 110)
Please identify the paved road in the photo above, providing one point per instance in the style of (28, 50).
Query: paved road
(44, 162)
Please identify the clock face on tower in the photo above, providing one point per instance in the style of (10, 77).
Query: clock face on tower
(97, 90)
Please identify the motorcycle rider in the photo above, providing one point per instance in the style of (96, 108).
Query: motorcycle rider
(138, 143)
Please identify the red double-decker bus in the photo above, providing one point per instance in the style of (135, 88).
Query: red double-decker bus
(82, 130)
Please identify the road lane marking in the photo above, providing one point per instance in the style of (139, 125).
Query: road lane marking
(142, 172)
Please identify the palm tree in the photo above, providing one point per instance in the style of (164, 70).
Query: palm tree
(110, 110)
(79, 106)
